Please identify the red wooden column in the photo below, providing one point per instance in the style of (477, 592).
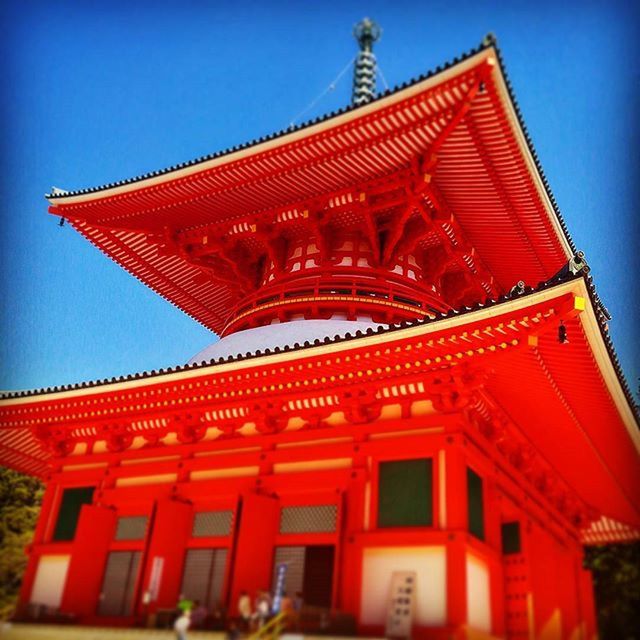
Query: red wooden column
(545, 582)
(164, 559)
(493, 538)
(496, 577)
(256, 529)
(95, 531)
(350, 566)
(587, 603)
(566, 557)
(45, 524)
(456, 498)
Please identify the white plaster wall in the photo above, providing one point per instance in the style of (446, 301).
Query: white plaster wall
(430, 566)
(51, 576)
(478, 594)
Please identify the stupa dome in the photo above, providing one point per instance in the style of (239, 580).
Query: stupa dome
(279, 335)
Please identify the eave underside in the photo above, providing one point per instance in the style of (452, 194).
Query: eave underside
(457, 130)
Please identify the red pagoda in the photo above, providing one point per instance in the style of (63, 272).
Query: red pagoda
(414, 406)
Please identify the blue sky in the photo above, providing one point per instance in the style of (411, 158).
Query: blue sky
(96, 92)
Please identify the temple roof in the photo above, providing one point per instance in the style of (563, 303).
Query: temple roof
(530, 376)
(208, 357)
(458, 127)
(61, 195)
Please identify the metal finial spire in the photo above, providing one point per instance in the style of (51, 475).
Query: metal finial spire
(366, 32)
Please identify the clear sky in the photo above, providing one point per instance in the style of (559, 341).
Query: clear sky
(94, 92)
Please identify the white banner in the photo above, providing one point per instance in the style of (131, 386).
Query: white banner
(156, 577)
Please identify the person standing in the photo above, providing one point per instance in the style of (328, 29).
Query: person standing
(198, 616)
(286, 608)
(244, 610)
(263, 608)
(181, 625)
(233, 633)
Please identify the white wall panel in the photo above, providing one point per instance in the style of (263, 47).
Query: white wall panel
(51, 576)
(478, 594)
(430, 566)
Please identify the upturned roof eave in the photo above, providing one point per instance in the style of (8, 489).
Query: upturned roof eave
(285, 136)
(600, 342)
(553, 300)
(267, 142)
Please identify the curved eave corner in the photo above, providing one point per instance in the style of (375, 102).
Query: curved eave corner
(487, 52)
(598, 339)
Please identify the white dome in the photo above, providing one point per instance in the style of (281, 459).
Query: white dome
(279, 335)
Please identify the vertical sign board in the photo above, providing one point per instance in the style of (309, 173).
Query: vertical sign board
(156, 577)
(402, 600)
(281, 577)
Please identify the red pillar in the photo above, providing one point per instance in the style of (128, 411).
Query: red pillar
(456, 582)
(587, 603)
(253, 553)
(545, 578)
(568, 592)
(456, 484)
(456, 491)
(350, 567)
(95, 531)
(44, 526)
(171, 531)
(493, 538)
(496, 577)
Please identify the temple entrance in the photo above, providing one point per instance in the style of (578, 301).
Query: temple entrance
(309, 571)
(118, 585)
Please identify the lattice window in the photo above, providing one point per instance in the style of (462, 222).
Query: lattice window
(212, 523)
(203, 576)
(131, 527)
(116, 597)
(309, 519)
(309, 571)
(293, 557)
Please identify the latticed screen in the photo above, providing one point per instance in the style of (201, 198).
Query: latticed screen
(116, 598)
(131, 528)
(293, 557)
(69, 512)
(309, 519)
(475, 505)
(212, 523)
(405, 493)
(309, 571)
(203, 576)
